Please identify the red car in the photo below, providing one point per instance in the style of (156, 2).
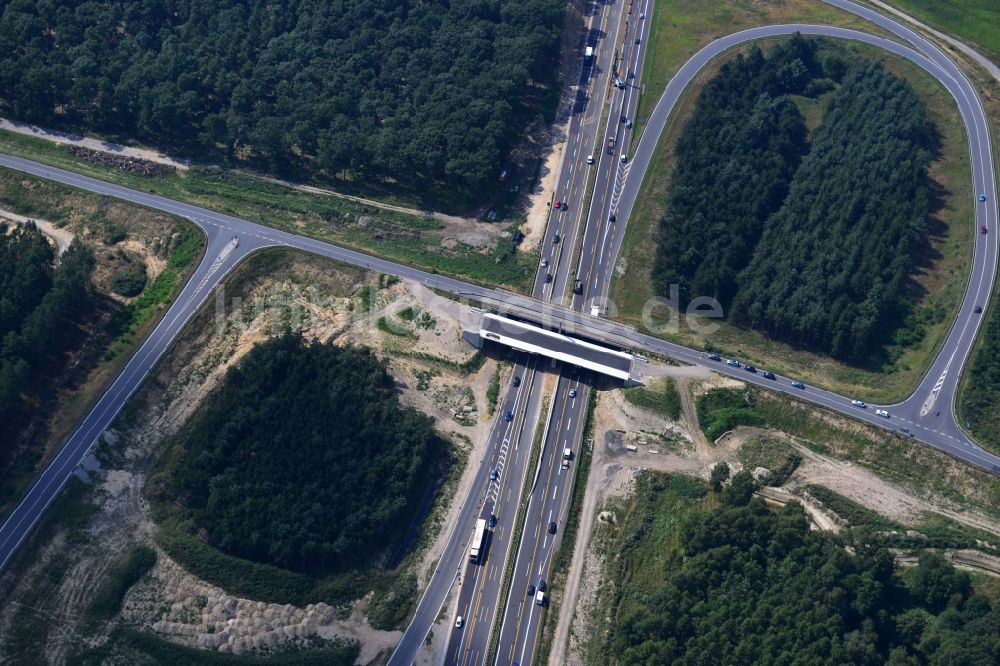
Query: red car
(982, 228)
(557, 205)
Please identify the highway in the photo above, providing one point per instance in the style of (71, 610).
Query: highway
(522, 618)
(478, 602)
(230, 240)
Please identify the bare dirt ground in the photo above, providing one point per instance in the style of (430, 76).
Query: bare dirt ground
(59, 237)
(91, 143)
(539, 200)
(170, 601)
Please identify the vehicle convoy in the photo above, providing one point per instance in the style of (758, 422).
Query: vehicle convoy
(567, 456)
(478, 537)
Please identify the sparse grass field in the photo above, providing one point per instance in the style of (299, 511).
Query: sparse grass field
(410, 239)
(974, 21)
(937, 287)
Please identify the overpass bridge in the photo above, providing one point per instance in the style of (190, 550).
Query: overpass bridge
(538, 340)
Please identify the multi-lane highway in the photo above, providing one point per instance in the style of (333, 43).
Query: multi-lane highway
(231, 239)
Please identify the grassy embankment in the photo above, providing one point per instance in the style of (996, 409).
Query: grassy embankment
(936, 289)
(410, 239)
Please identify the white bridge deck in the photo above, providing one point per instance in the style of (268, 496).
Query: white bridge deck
(536, 340)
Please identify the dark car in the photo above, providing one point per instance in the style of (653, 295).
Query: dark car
(565, 206)
(798, 384)
(714, 357)
(556, 239)
(509, 416)
(517, 382)
(636, 40)
(750, 368)
(494, 475)
(541, 585)
(612, 218)
(552, 528)
(982, 228)
(982, 197)
(978, 309)
(767, 374)
(531, 590)
(493, 521)
(548, 278)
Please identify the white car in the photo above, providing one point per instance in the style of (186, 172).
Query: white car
(459, 622)
(572, 393)
(881, 412)
(858, 403)
(545, 262)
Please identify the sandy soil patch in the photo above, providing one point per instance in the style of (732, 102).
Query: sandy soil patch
(61, 238)
(540, 199)
(154, 264)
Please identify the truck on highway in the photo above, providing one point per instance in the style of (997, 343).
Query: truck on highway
(478, 537)
(567, 456)
(539, 598)
(588, 52)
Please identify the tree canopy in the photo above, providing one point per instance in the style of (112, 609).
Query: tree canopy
(810, 239)
(749, 585)
(834, 258)
(735, 159)
(41, 305)
(418, 91)
(304, 458)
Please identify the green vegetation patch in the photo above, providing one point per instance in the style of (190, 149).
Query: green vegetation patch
(721, 410)
(660, 397)
(931, 297)
(776, 455)
(817, 266)
(423, 93)
(741, 583)
(302, 459)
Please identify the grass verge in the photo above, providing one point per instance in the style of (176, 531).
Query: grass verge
(410, 239)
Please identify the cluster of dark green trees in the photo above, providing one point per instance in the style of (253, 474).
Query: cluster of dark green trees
(419, 91)
(41, 307)
(304, 458)
(814, 249)
(756, 586)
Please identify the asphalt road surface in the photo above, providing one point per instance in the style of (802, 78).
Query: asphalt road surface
(231, 239)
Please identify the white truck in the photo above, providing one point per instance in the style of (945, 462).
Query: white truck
(539, 598)
(567, 456)
(588, 52)
(476, 550)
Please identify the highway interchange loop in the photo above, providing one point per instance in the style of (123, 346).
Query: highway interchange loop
(929, 412)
